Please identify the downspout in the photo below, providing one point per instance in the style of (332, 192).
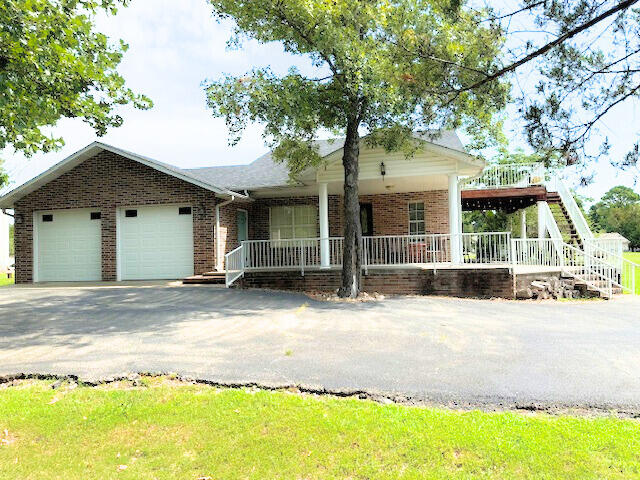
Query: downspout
(219, 264)
(4, 210)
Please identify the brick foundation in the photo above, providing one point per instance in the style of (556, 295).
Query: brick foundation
(478, 283)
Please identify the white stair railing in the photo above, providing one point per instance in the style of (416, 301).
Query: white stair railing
(234, 265)
(582, 227)
(550, 224)
(593, 271)
(626, 270)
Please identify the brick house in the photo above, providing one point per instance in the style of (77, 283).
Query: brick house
(108, 214)
(105, 214)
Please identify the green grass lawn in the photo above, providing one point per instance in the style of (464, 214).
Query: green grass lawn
(634, 257)
(5, 280)
(168, 431)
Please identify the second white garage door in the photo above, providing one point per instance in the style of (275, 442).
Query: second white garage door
(155, 242)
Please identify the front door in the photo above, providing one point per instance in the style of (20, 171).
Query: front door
(243, 226)
(366, 219)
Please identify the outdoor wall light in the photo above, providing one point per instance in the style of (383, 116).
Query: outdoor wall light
(18, 218)
(383, 170)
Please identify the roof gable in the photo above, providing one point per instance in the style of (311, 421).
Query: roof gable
(72, 161)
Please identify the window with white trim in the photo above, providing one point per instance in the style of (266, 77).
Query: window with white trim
(298, 221)
(416, 218)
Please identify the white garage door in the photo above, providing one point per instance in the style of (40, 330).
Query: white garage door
(155, 242)
(68, 246)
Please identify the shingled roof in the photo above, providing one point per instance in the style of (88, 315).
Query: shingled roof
(264, 172)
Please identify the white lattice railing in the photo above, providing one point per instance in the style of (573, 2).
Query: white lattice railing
(508, 175)
(593, 271)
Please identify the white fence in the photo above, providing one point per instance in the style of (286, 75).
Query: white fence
(508, 175)
(393, 250)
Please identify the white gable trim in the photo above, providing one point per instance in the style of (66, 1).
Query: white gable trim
(72, 161)
(455, 160)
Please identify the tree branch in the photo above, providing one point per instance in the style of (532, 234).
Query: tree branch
(589, 125)
(545, 48)
(523, 9)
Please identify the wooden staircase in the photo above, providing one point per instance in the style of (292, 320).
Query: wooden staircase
(206, 278)
(563, 219)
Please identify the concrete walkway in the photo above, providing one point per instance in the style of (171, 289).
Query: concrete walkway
(442, 350)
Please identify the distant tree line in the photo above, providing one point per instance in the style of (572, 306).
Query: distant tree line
(618, 211)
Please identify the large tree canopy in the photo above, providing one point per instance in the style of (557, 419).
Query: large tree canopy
(53, 64)
(381, 66)
(618, 211)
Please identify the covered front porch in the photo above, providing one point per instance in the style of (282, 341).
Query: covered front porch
(403, 259)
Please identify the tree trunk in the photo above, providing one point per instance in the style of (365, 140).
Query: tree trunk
(352, 255)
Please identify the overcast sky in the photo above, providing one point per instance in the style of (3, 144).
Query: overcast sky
(174, 46)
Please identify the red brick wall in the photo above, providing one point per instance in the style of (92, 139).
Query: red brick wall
(106, 182)
(476, 283)
(390, 212)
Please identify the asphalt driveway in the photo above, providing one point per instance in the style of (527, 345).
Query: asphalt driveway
(430, 349)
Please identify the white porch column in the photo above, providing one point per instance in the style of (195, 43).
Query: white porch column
(455, 220)
(523, 223)
(542, 226)
(323, 204)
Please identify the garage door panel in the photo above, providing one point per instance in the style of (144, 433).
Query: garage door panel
(156, 244)
(69, 246)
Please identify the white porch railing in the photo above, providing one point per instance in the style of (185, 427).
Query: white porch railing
(492, 248)
(393, 250)
(507, 175)
(486, 248)
(383, 251)
(593, 271)
(234, 262)
(302, 253)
